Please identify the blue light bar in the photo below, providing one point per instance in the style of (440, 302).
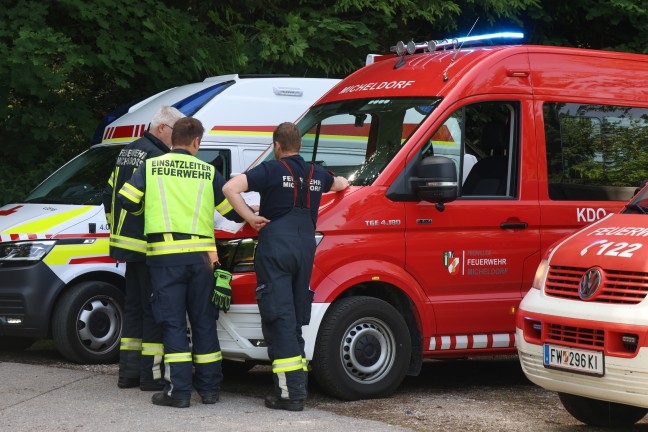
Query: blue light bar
(411, 47)
(501, 35)
(191, 104)
(456, 42)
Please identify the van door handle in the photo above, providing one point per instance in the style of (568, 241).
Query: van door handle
(514, 225)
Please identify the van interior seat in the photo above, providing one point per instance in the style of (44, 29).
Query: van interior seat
(489, 175)
(469, 161)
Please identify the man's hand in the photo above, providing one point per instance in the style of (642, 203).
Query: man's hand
(222, 297)
(257, 222)
(213, 258)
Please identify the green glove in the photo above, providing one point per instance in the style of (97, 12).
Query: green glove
(222, 297)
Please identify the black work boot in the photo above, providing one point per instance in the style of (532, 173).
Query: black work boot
(275, 402)
(125, 382)
(163, 400)
(209, 398)
(154, 385)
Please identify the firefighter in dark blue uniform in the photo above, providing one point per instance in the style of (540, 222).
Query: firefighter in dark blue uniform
(181, 194)
(290, 191)
(141, 350)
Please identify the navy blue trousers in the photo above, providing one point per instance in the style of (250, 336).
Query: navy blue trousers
(179, 292)
(141, 352)
(283, 263)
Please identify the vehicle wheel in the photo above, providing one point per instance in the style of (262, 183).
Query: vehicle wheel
(595, 412)
(363, 349)
(87, 322)
(15, 343)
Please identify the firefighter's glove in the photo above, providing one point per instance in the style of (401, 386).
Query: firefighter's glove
(222, 297)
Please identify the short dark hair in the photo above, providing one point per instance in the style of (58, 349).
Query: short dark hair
(185, 130)
(288, 136)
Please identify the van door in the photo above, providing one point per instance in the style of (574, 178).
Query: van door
(473, 257)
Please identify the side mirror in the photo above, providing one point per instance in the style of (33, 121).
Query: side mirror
(436, 180)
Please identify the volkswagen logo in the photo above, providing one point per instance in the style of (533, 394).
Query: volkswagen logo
(589, 284)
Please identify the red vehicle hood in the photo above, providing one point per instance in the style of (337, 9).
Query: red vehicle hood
(617, 242)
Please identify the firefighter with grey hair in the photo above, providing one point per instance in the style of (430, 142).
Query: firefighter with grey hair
(141, 350)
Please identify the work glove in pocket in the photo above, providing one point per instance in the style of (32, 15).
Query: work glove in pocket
(222, 297)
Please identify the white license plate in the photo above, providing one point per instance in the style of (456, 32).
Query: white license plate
(574, 360)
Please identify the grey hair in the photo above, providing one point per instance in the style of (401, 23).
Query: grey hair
(166, 115)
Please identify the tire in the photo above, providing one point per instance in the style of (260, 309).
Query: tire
(15, 343)
(363, 349)
(87, 322)
(600, 413)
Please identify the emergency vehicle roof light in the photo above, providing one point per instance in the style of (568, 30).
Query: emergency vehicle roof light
(411, 47)
(399, 49)
(191, 104)
(468, 39)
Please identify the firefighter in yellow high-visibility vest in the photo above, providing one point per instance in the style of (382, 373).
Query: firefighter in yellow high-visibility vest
(181, 192)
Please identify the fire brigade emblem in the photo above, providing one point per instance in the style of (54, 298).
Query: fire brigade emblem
(451, 262)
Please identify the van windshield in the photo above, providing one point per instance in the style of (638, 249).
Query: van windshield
(639, 202)
(80, 181)
(358, 138)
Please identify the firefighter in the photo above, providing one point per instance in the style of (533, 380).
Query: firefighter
(290, 191)
(179, 192)
(141, 350)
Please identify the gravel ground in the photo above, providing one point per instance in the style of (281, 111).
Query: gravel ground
(481, 394)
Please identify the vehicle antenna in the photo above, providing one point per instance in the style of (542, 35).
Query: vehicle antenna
(445, 72)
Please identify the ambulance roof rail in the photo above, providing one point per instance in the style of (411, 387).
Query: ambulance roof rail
(432, 45)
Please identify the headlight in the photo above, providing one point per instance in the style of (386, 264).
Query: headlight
(541, 274)
(33, 250)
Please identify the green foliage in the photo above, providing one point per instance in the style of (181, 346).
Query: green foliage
(616, 25)
(66, 63)
(69, 62)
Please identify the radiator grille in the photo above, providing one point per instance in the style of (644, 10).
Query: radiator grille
(575, 336)
(619, 287)
(12, 306)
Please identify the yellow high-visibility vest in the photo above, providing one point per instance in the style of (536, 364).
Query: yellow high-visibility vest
(179, 195)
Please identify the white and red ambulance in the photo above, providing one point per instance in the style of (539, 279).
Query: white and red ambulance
(583, 327)
(56, 278)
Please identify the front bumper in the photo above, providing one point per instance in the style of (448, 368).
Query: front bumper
(27, 295)
(625, 380)
(241, 337)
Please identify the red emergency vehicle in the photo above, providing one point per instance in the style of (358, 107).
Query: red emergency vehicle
(466, 162)
(583, 329)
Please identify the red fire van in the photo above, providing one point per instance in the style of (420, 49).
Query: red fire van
(466, 162)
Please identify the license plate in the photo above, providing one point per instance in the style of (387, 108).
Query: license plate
(574, 360)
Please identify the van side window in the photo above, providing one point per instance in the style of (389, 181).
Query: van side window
(595, 152)
(221, 159)
(481, 140)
